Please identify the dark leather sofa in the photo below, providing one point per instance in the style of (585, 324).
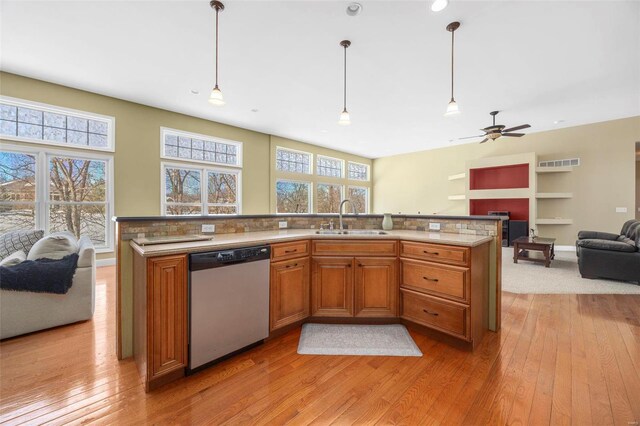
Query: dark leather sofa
(606, 255)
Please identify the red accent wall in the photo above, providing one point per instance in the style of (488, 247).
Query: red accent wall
(511, 176)
(518, 207)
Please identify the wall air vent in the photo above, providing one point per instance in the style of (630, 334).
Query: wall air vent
(560, 163)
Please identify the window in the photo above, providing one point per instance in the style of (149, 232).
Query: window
(329, 197)
(359, 196)
(293, 197)
(27, 121)
(199, 148)
(293, 161)
(357, 171)
(327, 166)
(200, 191)
(57, 191)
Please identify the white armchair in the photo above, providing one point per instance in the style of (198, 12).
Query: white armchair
(24, 312)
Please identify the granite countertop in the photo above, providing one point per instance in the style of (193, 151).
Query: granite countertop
(305, 215)
(228, 241)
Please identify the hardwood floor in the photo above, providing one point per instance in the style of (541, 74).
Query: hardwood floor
(559, 359)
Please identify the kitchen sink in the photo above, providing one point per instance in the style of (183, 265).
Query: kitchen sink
(350, 232)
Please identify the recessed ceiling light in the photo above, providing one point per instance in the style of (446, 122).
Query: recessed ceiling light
(255, 110)
(439, 5)
(354, 9)
(558, 121)
(194, 92)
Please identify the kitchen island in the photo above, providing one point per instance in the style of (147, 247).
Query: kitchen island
(435, 282)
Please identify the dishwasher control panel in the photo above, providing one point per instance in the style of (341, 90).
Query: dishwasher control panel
(216, 259)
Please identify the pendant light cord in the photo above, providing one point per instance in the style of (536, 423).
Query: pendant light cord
(452, 44)
(345, 78)
(217, 12)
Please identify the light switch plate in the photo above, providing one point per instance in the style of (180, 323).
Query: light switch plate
(209, 229)
(434, 226)
(282, 224)
(621, 209)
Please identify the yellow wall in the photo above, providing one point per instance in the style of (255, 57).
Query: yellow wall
(417, 182)
(313, 178)
(638, 189)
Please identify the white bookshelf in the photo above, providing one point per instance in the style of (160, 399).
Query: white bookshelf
(458, 176)
(564, 169)
(457, 197)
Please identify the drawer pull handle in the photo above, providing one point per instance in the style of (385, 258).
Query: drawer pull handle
(360, 265)
(435, 280)
(435, 314)
(349, 266)
(291, 251)
(431, 252)
(292, 266)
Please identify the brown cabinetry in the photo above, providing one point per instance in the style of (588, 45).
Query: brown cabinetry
(289, 292)
(445, 288)
(160, 325)
(356, 284)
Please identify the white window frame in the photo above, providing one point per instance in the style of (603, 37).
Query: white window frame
(368, 202)
(111, 124)
(342, 194)
(42, 202)
(342, 167)
(311, 161)
(204, 204)
(358, 180)
(310, 203)
(164, 131)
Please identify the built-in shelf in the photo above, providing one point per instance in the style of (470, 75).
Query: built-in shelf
(457, 197)
(458, 176)
(540, 195)
(485, 194)
(554, 169)
(554, 221)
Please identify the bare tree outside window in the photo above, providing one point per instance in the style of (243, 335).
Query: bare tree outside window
(183, 196)
(17, 191)
(359, 196)
(77, 197)
(222, 189)
(329, 197)
(292, 197)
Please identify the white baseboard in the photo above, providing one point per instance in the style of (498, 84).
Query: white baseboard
(565, 248)
(106, 262)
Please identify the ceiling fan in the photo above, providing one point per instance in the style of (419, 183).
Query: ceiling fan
(494, 131)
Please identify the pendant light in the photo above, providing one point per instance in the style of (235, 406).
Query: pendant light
(344, 116)
(216, 95)
(452, 107)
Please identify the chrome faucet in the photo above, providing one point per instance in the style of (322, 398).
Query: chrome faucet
(353, 206)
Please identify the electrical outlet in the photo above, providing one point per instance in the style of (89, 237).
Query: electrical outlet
(434, 226)
(621, 209)
(209, 229)
(282, 224)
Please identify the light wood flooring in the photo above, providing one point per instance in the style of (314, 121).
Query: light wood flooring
(559, 359)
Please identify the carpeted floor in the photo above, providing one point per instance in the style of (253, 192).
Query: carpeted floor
(561, 277)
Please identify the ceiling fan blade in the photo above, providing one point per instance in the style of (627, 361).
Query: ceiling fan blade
(513, 135)
(484, 140)
(471, 137)
(511, 129)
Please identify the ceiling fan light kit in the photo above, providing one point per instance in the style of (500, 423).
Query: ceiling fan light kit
(452, 107)
(216, 97)
(344, 115)
(495, 131)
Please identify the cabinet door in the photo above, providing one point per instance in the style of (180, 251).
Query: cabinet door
(376, 287)
(167, 315)
(332, 287)
(289, 292)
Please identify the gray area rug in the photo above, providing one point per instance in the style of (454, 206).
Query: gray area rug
(561, 278)
(344, 339)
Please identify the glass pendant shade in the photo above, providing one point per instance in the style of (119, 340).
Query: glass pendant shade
(344, 118)
(452, 108)
(216, 97)
(439, 5)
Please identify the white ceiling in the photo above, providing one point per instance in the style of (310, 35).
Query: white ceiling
(537, 61)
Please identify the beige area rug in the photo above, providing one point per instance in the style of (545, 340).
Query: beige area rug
(346, 339)
(561, 278)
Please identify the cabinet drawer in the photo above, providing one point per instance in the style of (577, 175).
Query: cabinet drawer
(447, 281)
(435, 252)
(355, 248)
(439, 314)
(289, 250)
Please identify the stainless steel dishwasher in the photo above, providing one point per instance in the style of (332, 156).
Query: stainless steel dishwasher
(228, 303)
